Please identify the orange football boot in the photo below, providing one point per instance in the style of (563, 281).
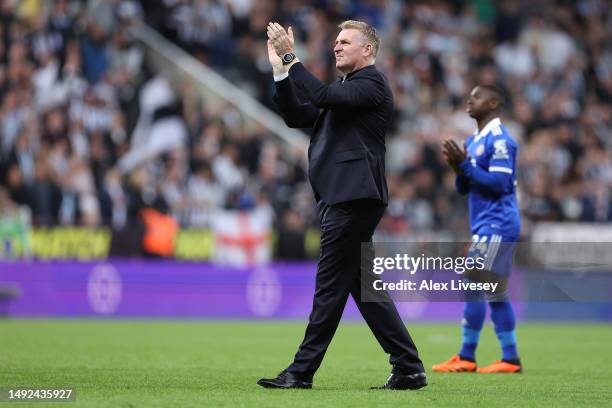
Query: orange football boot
(455, 365)
(501, 366)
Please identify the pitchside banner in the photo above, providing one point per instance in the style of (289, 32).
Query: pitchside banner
(495, 271)
(170, 289)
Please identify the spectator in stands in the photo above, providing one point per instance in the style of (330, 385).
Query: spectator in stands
(79, 105)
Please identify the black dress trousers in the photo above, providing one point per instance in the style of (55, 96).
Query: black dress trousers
(344, 227)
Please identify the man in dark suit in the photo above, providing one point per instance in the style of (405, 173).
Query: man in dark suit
(346, 160)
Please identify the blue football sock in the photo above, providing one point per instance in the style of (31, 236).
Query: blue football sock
(473, 319)
(502, 315)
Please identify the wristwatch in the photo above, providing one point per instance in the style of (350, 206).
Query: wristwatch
(288, 58)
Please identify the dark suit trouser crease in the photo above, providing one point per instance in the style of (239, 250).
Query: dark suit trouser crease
(343, 228)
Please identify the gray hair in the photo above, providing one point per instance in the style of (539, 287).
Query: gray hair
(366, 30)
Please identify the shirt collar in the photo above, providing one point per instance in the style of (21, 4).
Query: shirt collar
(488, 127)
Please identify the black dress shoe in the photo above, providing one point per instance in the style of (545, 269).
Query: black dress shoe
(404, 382)
(285, 380)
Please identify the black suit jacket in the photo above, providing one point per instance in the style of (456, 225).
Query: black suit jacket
(350, 118)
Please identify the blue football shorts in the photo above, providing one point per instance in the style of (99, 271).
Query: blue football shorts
(496, 250)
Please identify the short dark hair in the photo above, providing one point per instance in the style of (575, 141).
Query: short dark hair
(497, 92)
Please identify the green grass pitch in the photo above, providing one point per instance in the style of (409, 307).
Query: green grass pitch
(124, 363)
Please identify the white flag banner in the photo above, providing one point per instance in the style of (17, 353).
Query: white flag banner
(243, 237)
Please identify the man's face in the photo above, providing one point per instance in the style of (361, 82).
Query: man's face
(480, 103)
(351, 50)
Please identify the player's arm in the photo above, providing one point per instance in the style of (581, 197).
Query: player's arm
(493, 181)
(295, 113)
(363, 91)
(497, 179)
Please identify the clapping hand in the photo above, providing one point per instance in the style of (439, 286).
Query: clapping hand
(281, 40)
(454, 155)
(277, 64)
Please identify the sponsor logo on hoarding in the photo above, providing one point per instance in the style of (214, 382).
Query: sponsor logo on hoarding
(263, 292)
(104, 289)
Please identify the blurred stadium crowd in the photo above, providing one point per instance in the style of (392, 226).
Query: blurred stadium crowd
(90, 135)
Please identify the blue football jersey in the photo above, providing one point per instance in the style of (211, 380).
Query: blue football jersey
(494, 150)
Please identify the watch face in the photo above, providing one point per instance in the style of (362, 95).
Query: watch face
(287, 58)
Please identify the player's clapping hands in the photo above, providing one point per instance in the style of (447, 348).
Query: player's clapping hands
(453, 154)
(281, 40)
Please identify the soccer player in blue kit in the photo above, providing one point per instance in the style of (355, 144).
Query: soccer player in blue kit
(486, 172)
